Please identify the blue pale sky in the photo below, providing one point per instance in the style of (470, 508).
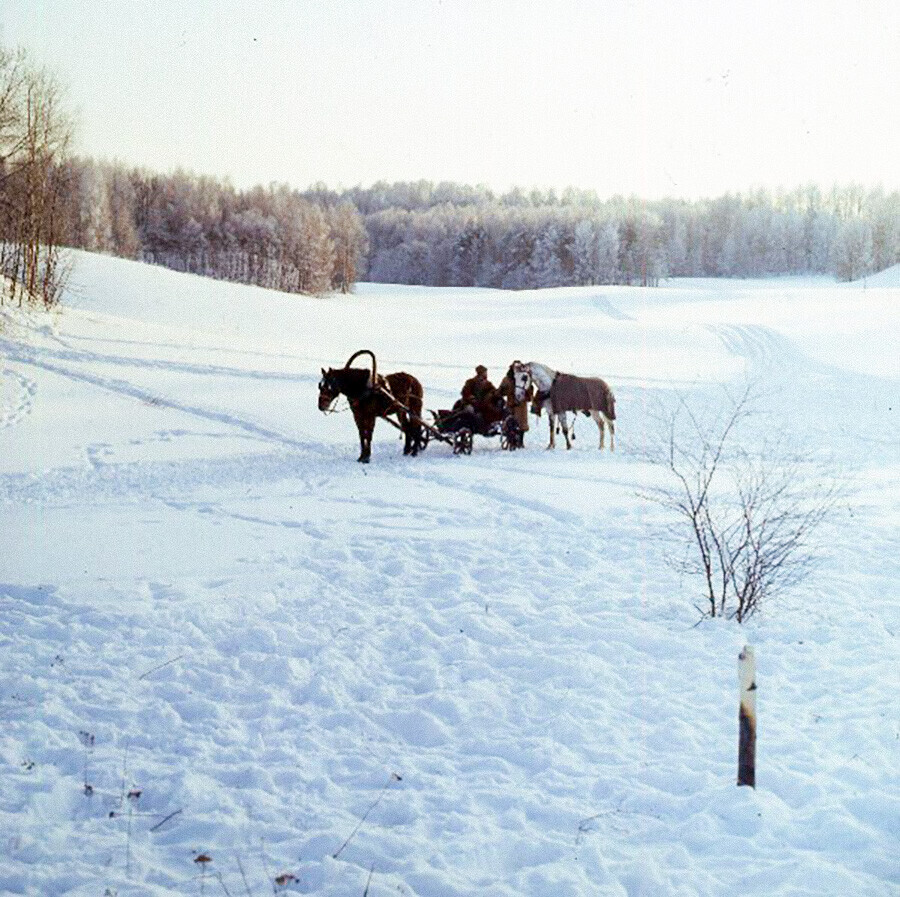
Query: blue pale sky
(654, 97)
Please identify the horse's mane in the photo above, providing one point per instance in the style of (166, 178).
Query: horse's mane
(354, 381)
(546, 372)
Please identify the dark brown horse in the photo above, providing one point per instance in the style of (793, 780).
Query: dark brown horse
(372, 395)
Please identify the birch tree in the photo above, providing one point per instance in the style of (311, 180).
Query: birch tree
(348, 235)
(35, 133)
(853, 251)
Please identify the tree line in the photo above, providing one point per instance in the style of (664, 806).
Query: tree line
(456, 235)
(318, 240)
(268, 236)
(273, 237)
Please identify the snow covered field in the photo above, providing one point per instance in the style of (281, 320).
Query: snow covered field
(441, 676)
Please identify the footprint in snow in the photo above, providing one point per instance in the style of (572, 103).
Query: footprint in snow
(16, 397)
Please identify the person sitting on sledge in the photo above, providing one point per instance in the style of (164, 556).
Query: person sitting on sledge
(481, 396)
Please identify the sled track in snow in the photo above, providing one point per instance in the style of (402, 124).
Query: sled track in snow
(69, 354)
(763, 349)
(129, 390)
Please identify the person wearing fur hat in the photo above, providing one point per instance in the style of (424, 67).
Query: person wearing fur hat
(481, 397)
(478, 390)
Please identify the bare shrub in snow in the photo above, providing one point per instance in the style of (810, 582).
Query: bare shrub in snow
(743, 518)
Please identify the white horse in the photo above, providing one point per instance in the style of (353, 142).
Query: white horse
(561, 393)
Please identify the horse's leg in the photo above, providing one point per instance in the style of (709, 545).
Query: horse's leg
(415, 437)
(404, 429)
(370, 430)
(365, 424)
(602, 419)
(551, 417)
(415, 406)
(409, 442)
(598, 420)
(564, 423)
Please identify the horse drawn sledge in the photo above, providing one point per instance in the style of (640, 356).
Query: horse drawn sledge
(397, 399)
(462, 424)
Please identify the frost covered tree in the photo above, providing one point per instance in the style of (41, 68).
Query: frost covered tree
(853, 249)
(595, 251)
(513, 257)
(450, 234)
(94, 222)
(468, 255)
(677, 247)
(121, 199)
(585, 253)
(885, 218)
(545, 266)
(348, 234)
(315, 257)
(607, 253)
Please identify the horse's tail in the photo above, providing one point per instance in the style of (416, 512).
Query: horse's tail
(604, 399)
(416, 396)
(611, 404)
(413, 399)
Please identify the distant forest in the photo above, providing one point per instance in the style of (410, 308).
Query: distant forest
(318, 240)
(446, 234)
(272, 237)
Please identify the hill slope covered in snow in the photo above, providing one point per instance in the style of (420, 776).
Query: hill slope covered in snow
(440, 675)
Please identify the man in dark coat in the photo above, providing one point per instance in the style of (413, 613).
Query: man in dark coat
(478, 389)
(482, 397)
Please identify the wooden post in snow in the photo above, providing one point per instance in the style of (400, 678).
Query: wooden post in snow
(747, 717)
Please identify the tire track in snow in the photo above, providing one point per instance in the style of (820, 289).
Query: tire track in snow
(819, 396)
(164, 481)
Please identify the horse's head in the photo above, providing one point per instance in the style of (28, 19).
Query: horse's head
(521, 376)
(329, 388)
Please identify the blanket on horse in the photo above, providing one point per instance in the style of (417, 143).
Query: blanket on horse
(571, 393)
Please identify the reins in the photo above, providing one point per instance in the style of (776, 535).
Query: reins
(332, 407)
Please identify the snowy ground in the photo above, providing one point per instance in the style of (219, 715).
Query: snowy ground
(438, 676)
